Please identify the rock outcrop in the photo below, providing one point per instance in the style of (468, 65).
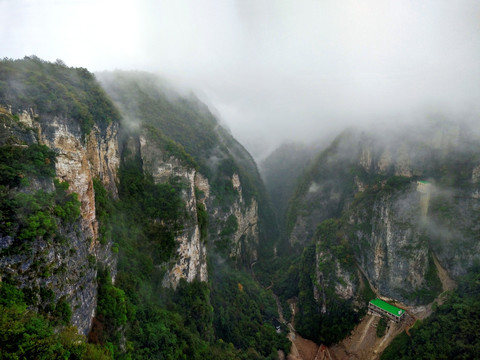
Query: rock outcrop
(191, 256)
(174, 140)
(403, 201)
(67, 269)
(80, 160)
(226, 176)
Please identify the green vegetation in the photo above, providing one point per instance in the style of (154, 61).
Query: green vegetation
(24, 334)
(55, 89)
(323, 328)
(169, 146)
(381, 327)
(224, 244)
(243, 314)
(186, 129)
(202, 220)
(396, 182)
(28, 214)
(149, 321)
(150, 214)
(20, 162)
(67, 206)
(63, 312)
(111, 312)
(281, 273)
(451, 332)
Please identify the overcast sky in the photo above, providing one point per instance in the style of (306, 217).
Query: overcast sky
(273, 70)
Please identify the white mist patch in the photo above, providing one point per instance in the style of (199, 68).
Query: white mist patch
(314, 187)
(425, 189)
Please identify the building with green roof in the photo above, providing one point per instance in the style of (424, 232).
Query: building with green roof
(383, 308)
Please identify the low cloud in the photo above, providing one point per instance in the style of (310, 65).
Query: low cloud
(273, 70)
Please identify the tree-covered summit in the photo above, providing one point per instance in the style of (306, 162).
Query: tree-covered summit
(55, 89)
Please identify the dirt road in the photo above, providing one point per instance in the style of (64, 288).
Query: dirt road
(363, 342)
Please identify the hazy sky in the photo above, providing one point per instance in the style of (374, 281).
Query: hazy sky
(274, 70)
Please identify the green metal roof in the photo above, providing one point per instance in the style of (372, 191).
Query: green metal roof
(424, 182)
(387, 307)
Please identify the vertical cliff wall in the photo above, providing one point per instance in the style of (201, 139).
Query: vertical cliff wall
(71, 272)
(240, 221)
(190, 261)
(78, 163)
(55, 250)
(403, 200)
(102, 211)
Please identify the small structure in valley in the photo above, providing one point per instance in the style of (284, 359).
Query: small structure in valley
(383, 308)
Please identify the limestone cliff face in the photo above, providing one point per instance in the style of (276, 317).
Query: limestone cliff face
(79, 161)
(234, 195)
(245, 238)
(68, 269)
(392, 248)
(190, 262)
(405, 201)
(191, 257)
(330, 274)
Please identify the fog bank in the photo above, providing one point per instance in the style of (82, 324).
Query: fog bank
(273, 70)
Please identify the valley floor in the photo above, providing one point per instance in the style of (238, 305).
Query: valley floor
(362, 344)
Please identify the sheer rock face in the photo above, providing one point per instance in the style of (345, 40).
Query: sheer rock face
(397, 231)
(244, 240)
(246, 237)
(201, 183)
(79, 161)
(71, 273)
(68, 268)
(191, 259)
(190, 262)
(394, 256)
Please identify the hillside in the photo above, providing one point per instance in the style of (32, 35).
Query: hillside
(381, 212)
(139, 236)
(146, 100)
(134, 226)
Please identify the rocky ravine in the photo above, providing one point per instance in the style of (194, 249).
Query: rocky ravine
(79, 161)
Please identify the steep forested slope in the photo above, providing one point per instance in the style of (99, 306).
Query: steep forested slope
(130, 233)
(55, 115)
(452, 332)
(384, 211)
(147, 100)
